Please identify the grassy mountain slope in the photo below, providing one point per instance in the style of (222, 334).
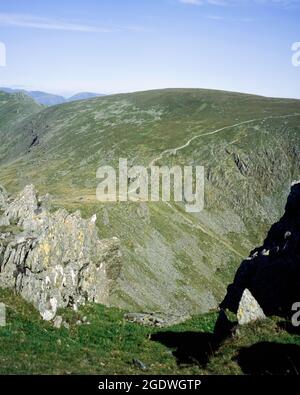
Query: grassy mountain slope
(174, 261)
(14, 108)
(109, 344)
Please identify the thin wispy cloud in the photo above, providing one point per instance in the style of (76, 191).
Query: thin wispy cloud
(36, 22)
(222, 18)
(215, 17)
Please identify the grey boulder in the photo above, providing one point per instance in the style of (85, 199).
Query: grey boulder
(55, 259)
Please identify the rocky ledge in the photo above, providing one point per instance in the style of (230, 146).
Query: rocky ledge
(54, 259)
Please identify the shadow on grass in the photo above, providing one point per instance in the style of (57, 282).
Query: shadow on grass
(289, 327)
(190, 347)
(196, 348)
(268, 358)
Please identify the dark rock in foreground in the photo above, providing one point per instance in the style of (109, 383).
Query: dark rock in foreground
(272, 272)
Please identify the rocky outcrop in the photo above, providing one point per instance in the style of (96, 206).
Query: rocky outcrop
(249, 310)
(155, 319)
(54, 260)
(272, 272)
(3, 198)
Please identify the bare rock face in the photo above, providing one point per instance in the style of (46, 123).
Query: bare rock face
(249, 310)
(55, 260)
(23, 207)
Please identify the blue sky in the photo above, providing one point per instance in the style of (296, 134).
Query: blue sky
(110, 46)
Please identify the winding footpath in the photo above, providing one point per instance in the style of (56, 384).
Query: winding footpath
(174, 151)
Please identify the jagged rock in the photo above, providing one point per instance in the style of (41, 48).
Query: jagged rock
(56, 260)
(249, 310)
(273, 272)
(23, 207)
(3, 198)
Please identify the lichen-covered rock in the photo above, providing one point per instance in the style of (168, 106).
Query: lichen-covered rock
(23, 207)
(55, 259)
(249, 310)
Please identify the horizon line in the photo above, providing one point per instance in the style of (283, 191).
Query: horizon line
(112, 93)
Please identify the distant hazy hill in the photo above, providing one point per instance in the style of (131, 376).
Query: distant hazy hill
(47, 99)
(50, 99)
(172, 260)
(84, 96)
